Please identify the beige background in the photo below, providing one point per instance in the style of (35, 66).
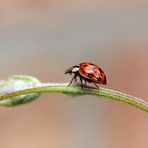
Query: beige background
(42, 38)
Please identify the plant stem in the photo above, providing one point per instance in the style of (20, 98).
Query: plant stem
(77, 90)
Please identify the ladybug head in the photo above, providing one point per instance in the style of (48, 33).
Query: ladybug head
(73, 69)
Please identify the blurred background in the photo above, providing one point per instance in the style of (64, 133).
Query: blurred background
(42, 38)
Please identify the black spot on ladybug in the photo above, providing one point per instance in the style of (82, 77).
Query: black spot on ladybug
(100, 70)
(99, 79)
(90, 75)
(84, 70)
(85, 65)
(94, 70)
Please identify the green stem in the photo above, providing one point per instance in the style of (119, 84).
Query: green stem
(77, 90)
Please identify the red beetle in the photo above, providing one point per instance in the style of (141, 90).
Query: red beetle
(88, 72)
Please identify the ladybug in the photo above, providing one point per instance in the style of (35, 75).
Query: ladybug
(87, 72)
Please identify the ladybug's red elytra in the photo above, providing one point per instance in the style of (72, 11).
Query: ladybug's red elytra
(88, 72)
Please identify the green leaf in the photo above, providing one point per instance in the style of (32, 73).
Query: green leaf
(16, 83)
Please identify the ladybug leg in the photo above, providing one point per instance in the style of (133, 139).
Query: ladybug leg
(74, 77)
(85, 83)
(96, 85)
(81, 83)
